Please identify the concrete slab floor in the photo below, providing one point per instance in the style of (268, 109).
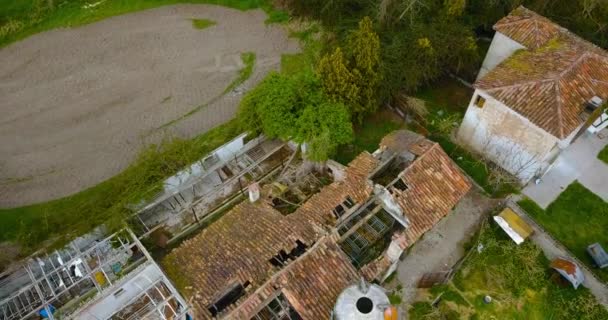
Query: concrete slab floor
(577, 162)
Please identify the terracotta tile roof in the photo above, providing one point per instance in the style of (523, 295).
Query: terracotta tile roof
(435, 185)
(236, 249)
(311, 284)
(527, 27)
(549, 84)
(318, 209)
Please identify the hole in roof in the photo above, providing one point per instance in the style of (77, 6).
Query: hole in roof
(365, 305)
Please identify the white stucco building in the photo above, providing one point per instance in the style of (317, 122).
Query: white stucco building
(539, 87)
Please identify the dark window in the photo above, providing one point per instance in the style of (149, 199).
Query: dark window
(231, 296)
(277, 309)
(338, 211)
(349, 203)
(283, 257)
(400, 185)
(480, 101)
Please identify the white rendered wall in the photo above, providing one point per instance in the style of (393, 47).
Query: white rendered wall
(501, 48)
(506, 138)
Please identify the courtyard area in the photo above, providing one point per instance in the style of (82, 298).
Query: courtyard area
(577, 162)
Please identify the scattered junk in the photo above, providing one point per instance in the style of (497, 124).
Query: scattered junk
(598, 254)
(487, 299)
(364, 301)
(480, 248)
(569, 270)
(514, 225)
(94, 277)
(430, 279)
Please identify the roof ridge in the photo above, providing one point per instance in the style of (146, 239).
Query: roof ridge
(536, 32)
(573, 64)
(419, 158)
(525, 19)
(517, 84)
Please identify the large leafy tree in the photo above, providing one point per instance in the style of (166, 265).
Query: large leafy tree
(294, 107)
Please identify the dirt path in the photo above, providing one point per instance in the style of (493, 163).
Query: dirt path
(441, 247)
(553, 249)
(78, 104)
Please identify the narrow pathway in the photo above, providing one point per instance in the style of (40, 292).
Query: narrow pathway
(441, 247)
(553, 248)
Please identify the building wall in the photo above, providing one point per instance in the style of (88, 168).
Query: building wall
(501, 48)
(508, 139)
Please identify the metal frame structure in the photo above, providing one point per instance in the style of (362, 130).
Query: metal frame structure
(248, 161)
(277, 308)
(68, 280)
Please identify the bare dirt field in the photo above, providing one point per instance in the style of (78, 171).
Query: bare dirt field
(76, 105)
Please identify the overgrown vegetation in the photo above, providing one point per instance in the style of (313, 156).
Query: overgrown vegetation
(368, 134)
(202, 23)
(353, 78)
(517, 278)
(20, 19)
(295, 107)
(445, 104)
(60, 220)
(603, 155)
(577, 218)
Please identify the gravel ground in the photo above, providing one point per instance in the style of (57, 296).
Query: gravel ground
(78, 104)
(441, 247)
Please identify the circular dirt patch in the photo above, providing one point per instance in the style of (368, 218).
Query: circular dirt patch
(78, 104)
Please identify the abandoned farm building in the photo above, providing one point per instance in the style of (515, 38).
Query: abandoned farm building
(540, 88)
(261, 261)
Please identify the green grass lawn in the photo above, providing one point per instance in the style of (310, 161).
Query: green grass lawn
(308, 35)
(201, 24)
(603, 155)
(60, 220)
(518, 279)
(577, 218)
(22, 18)
(368, 135)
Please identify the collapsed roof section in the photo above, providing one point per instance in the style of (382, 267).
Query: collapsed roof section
(255, 255)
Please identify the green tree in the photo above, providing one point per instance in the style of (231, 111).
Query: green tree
(339, 82)
(354, 79)
(364, 49)
(294, 107)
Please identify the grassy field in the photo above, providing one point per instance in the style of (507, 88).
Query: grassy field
(603, 155)
(369, 134)
(22, 18)
(518, 279)
(446, 102)
(106, 203)
(577, 218)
